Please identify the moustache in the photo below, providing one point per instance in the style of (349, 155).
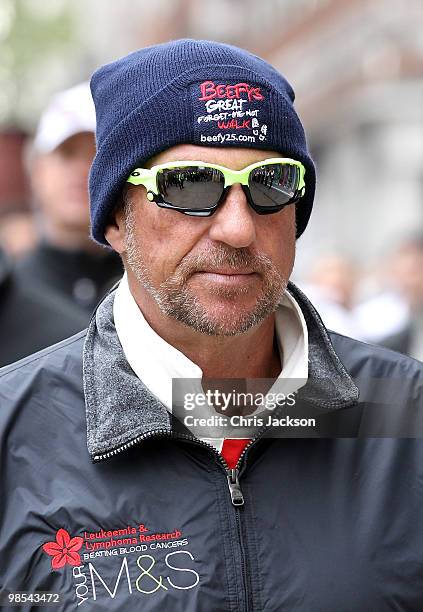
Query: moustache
(223, 257)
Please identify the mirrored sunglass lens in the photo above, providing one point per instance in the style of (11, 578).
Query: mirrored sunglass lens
(274, 184)
(192, 187)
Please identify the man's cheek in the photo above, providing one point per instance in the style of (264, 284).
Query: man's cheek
(160, 260)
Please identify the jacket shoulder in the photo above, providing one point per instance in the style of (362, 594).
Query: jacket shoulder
(377, 361)
(56, 367)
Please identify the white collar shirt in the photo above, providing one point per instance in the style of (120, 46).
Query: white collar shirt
(156, 362)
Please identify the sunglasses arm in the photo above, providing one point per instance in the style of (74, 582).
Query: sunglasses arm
(141, 176)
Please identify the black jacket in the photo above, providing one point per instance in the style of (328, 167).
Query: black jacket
(32, 319)
(105, 504)
(79, 276)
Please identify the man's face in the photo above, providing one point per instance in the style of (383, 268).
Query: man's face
(220, 275)
(60, 182)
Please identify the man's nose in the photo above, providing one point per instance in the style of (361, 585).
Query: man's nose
(233, 222)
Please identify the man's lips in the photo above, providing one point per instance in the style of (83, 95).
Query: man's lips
(226, 271)
(227, 276)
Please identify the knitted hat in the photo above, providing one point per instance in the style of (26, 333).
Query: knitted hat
(189, 91)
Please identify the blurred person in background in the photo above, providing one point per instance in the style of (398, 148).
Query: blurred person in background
(66, 259)
(407, 275)
(17, 234)
(30, 318)
(332, 286)
(358, 302)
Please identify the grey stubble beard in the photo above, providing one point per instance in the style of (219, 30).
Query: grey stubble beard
(175, 298)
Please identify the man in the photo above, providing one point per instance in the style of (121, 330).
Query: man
(31, 319)
(407, 270)
(65, 259)
(332, 285)
(204, 205)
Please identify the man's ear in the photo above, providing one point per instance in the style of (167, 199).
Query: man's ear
(115, 232)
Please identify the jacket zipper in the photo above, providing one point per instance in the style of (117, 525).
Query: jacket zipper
(235, 492)
(237, 497)
(232, 475)
(244, 564)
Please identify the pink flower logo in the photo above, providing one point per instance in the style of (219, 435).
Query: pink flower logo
(63, 550)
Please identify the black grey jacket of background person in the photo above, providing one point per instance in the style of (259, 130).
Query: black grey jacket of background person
(134, 516)
(32, 318)
(78, 276)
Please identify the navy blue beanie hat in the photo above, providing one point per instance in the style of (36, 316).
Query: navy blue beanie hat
(189, 91)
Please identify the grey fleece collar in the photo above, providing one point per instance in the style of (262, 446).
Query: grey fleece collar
(120, 408)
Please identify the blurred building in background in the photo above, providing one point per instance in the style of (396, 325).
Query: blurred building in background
(356, 67)
(358, 70)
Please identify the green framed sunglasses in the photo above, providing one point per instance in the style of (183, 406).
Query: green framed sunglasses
(198, 188)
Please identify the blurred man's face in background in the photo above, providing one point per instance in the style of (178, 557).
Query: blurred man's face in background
(407, 271)
(60, 183)
(336, 277)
